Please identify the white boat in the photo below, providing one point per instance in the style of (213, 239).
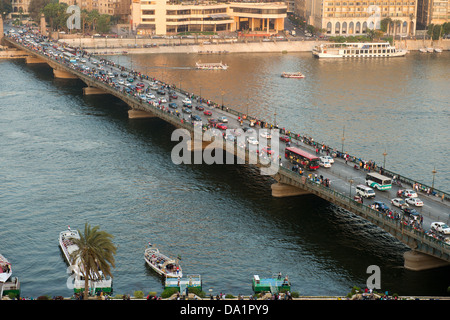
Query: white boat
(162, 264)
(211, 66)
(68, 247)
(5, 269)
(438, 50)
(358, 50)
(298, 75)
(430, 50)
(423, 50)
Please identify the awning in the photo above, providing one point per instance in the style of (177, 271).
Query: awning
(219, 16)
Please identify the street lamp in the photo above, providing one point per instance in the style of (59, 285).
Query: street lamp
(384, 161)
(434, 173)
(222, 97)
(343, 130)
(351, 182)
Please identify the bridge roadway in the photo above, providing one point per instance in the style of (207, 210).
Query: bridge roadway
(339, 192)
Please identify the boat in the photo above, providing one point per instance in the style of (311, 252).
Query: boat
(358, 50)
(162, 264)
(438, 50)
(8, 286)
(423, 50)
(430, 49)
(292, 75)
(68, 247)
(274, 284)
(190, 281)
(211, 66)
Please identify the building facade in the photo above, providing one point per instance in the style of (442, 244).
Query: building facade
(20, 7)
(348, 17)
(433, 12)
(162, 17)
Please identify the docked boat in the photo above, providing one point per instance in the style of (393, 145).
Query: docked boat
(211, 66)
(190, 281)
(357, 50)
(5, 269)
(68, 246)
(297, 75)
(423, 50)
(430, 49)
(8, 285)
(162, 264)
(275, 284)
(438, 50)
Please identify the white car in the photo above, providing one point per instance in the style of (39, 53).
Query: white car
(410, 193)
(186, 101)
(162, 100)
(440, 227)
(399, 202)
(150, 95)
(330, 159)
(252, 140)
(324, 163)
(223, 119)
(265, 134)
(414, 201)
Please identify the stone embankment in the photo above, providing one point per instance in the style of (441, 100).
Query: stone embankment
(213, 46)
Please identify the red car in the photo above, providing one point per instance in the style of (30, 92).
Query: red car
(267, 150)
(207, 113)
(221, 126)
(284, 138)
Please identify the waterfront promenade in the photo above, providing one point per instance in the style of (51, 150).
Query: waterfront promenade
(336, 194)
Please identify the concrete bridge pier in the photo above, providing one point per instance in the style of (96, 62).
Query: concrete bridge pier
(63, 74)
(417, 261)
(33, 60)
(87, 91)
(280, 190)
(137, 114)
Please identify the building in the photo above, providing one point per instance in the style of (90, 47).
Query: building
(432, 12)
(20, 8)
(163, 17)
(120, 8)
(348, 17)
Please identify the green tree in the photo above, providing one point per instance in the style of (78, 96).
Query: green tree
(5, 7)
(35, 8)
(104, 23)
(96, 253)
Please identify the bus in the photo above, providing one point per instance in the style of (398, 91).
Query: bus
(68, 57)
(378, 181)
(305, 159)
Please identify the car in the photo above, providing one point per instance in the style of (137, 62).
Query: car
(187, 110)
(207, 113)
(161, 92)
(267, 150)
(252, 140)
(162, 100)
(121, 81)
(196, 118)
(440, 227)
(130, 80)
(399, 202)
(285, 138)
(409, 193)
(221, 126)
(381, 206)
(265, 134)
(324, 163)
(150, 96)
(229, 137)
(187, 105)
(223, 119)
(140, 85)
(199, 108)
(414, 201)
(173, 105)
(212, 121)
(174, 95)
(186, 100)
(330, 159)
(411, 213)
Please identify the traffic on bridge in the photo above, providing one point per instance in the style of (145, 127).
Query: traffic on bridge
(415, 205)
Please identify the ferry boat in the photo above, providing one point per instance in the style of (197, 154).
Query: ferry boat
(273, 285)
(211, 66)
(190, 281)
(8, 285)
(357, 50)
(162, 264)
(67, 246)
(5, 269)
(298, 75)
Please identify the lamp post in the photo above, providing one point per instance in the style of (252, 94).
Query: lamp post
(343, 131)
(434, 173)
(222, 97)
(384, 161)
(351, 182)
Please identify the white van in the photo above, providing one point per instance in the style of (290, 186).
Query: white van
(365, 191)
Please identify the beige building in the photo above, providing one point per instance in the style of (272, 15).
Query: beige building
(163, 17)
(20, 7)
(119, 8)
(348, 17)
(433, 12)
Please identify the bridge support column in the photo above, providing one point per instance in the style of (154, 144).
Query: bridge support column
(63, 74)
(280, 190)
(31, 60)
(92, 90)
(417, 261)
(138, 114)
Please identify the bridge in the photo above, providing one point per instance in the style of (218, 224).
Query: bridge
(427, 251)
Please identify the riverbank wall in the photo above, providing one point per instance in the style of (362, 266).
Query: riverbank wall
(136, 46)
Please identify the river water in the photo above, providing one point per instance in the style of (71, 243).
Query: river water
(68, 159)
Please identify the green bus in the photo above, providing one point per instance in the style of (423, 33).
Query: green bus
(378, 181)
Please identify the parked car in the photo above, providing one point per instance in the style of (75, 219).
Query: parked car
(440, 227)
(399, 202)
(414, 201)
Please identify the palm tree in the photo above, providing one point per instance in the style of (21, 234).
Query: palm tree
(95, 253)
